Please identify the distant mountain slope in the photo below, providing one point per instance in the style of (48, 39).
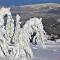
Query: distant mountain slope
(50, 12)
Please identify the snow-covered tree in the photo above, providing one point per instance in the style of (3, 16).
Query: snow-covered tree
(13, 44)
(3, 38)
(35, 25)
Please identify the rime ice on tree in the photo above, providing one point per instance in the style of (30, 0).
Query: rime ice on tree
(35, 25)
(13, 44)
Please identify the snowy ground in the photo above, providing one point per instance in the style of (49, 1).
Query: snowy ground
(49, 53)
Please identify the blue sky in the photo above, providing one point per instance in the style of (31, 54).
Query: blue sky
(22, 2)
